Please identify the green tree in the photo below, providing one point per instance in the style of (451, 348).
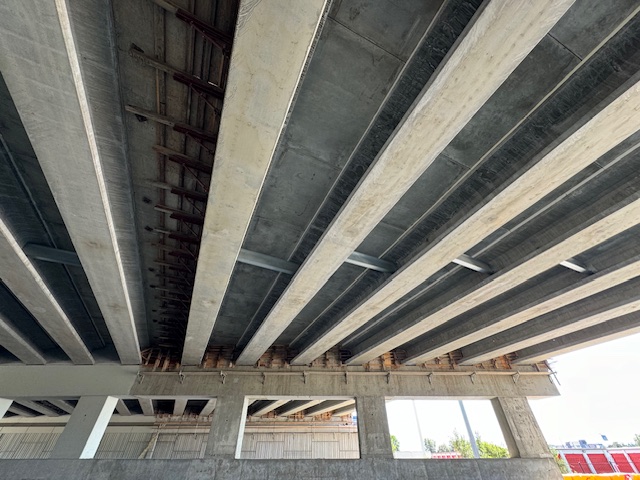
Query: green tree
(430, 445)
(443, 448)
(636, 439)
(458, 443)
(462, 445)
(395, 443)
(562, 465)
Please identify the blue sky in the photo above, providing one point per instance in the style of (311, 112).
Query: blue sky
(600, 394)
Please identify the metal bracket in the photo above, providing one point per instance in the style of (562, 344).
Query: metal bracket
(515, 377)
(139, 377)
(224, 376)
(430, 377)
(473, 377)
(304, 377)
(388, 377)
(264, 377)
(346, 377)
(181, 376)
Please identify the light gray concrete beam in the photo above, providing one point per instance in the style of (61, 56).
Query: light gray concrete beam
(122, 408)
(146, 404)
(271, 46)
(227, 427)
(491, 49)
(62, 405)
(68, 48)
(487, 323)
(373, 428)
(209, 407)
(18, 410)
(344, 410)
(595, 335)
(55, 381)
(584, 147)
(269, 408)
(36, 407)
(520, 429)
(297, 406)
(66, 381)
(179, 406)
(5, 403)
(576, 317)
(84, 430)
(497, 341)
(25, 282)
(329, 406)
(18, 345)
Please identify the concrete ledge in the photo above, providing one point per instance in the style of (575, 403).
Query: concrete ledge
(487, 469)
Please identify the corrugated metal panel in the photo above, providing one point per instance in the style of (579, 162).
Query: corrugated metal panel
(298, 442)
(349, 454)
(325, 450)
(269, 449)
(325, 437)
(348, 441)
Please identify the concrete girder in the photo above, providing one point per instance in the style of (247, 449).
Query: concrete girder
(615, 303)
(329, 406)
(208, 408)
(595, 335)
(179, 406)
(68, 48)
(497, 340)
(555, 167)
(269, 408)
(71, 381)
(36, 407)
(344, 410)
(62, 405)
(493, 46)
(297, 406)
(25, 282)
(272, 43)
(488, 323)
(146, 404)
(19, 346)
(122, 408)
(18, 410)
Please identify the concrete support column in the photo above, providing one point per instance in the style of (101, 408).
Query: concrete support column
(82, 434)
(227, 427)
(5, 403)
(520, 429)
(373, 428)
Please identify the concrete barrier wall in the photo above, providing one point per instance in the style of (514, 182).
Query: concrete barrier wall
(214, 469)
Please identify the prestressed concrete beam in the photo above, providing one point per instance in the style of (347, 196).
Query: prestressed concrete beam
(497, 340)
(122, 408)
(18, 410)
(595, 335)
(19, 346)
(22, 277)
(68, 48)
(36, 407)
(329, 406)
(269, 408)
(491, 49)
(614, 304)
(297, 406)
(179, 406)
(583, 147)
(271, 46)
(62, 405)
(146, 404)
(344, 410)
(208, 408)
